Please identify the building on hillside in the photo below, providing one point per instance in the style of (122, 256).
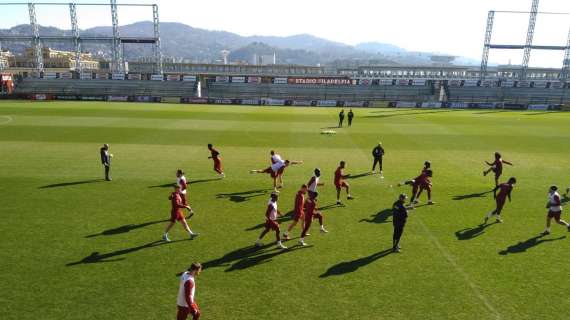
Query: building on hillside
(6, 58)
(54, 60)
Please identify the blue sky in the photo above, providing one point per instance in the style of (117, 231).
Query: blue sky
(445, 26)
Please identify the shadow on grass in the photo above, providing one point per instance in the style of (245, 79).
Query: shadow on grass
(242, 196)
(69, 184)
(352, 266)
(472, 195)
(360, 175)
(286, 217)
(97, 257)
(523, 246)
(537, 113)
(170, 185)
(289, 216)
(405, 114)
(248, 257)
(126, 228)
(472, 233)
(330, 207)
(380, 217)
(492, 111)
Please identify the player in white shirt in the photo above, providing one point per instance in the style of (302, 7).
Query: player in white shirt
(314, 182)
(554, 206)
(275, 157)
(186, 302)
(276, 171)
(271, 222)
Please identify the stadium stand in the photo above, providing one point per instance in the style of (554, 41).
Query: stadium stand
(319, 92)
(510, 95)
(30, 86)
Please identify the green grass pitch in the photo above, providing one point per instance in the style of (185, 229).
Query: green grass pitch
(74, 247)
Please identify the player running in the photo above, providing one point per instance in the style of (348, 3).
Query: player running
(183, 183)
(496, 167)
(314, 182)
(186, 302)
(271, 223)
(276, 171)
(340, 182)
(554, 206)
(215, 155)
(505, 190)
(310, 214)
(176, 214)
(298, 211)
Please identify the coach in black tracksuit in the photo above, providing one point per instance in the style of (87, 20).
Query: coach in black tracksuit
(106, 160)
(399, 217)
(378, 153)
(340, 118)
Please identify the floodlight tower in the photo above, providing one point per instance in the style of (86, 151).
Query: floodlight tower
(565, 74)
(118, 63)
(75, 33)
(157, 48)
(37, 44)
(487, 44)
(529, 37)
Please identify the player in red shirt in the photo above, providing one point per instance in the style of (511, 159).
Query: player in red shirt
(177, 215)
(554, 206)
(496, 167)
(298, 211)
(185, 302)
(311, 213)
(215, 155)
(505, 190)
(276, 171)
(271, 223)
(419, 184)
(340, 182)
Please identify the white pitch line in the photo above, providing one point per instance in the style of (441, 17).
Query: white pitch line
(460, 270)
(7, 119)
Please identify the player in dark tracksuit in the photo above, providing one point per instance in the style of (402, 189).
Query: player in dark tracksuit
(377, 154)
(340, 118)
(106, 160)
(399, 217)
(350, 116)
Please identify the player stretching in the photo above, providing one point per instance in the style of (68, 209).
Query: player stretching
(275, 157)
(271, 222)
(340, 182)
(176, 214)
(310, 214)
(505, 190)
(419, 184)
(183, 183)
(186, 302)
(554, 206)
(276, 171)
(314, 181)
(496, 167)
(299, 212)
(217, 160)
